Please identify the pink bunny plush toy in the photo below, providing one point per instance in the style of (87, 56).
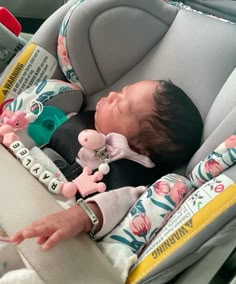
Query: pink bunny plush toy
(87, 183)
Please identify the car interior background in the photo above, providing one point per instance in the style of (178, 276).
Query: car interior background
(188, 44)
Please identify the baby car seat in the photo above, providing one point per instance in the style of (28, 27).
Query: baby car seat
(106, 45)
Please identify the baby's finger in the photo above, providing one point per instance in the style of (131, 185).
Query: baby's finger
(39, 231)
(53, 240)
(41, 240)
(17, 238)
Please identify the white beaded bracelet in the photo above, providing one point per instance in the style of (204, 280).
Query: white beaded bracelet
(93, 218)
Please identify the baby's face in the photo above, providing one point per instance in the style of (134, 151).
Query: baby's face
(122, 111)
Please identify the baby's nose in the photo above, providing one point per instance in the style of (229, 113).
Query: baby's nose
(112, 96)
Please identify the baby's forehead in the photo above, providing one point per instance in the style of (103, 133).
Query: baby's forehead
(146, 87)
(144, 83)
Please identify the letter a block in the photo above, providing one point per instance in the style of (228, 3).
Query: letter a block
(46, 177)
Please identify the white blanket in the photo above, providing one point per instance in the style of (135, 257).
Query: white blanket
(21, 276)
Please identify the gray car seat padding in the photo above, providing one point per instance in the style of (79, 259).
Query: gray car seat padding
(109, 50)
(213, 260)
(183, 56)
(217, 249)
(224, 9)
(100, 42)
(23, 195)
(220, 121)
(224, 129)
(222, 105)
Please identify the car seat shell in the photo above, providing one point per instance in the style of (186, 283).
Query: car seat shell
(200, 60)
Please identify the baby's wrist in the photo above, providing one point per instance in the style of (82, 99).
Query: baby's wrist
(81, 222)
(92, 217)
(96, 209)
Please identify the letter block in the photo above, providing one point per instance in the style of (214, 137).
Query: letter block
(22, 153)
(16, 146)
(46, 177)
(55, 186)
(28, 162)
(36, 170)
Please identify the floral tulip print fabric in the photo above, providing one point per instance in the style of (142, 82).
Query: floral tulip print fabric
(150, 210)
(144, 219)
(223, 157)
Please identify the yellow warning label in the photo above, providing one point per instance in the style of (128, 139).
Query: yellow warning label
(173, 239)
(14, 73)
(184, 233)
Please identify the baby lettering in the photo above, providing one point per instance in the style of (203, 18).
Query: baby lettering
(36, 169)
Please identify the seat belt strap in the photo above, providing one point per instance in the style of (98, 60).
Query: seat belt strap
(23, 200)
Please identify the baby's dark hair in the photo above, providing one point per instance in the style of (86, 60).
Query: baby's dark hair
(172, 133)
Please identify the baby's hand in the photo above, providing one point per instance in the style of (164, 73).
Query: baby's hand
(55, 227)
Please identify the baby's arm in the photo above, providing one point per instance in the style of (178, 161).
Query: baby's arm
(114, 206)
(59, 226)
(109, 207)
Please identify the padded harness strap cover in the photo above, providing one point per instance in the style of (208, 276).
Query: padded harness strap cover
(24, 200)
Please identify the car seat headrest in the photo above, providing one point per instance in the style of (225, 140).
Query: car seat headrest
(85, 54)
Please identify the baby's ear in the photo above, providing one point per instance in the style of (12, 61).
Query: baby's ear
(138, 148)
(144, 152)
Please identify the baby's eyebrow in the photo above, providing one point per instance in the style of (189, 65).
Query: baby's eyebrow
(122, 89)
(125, 88)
